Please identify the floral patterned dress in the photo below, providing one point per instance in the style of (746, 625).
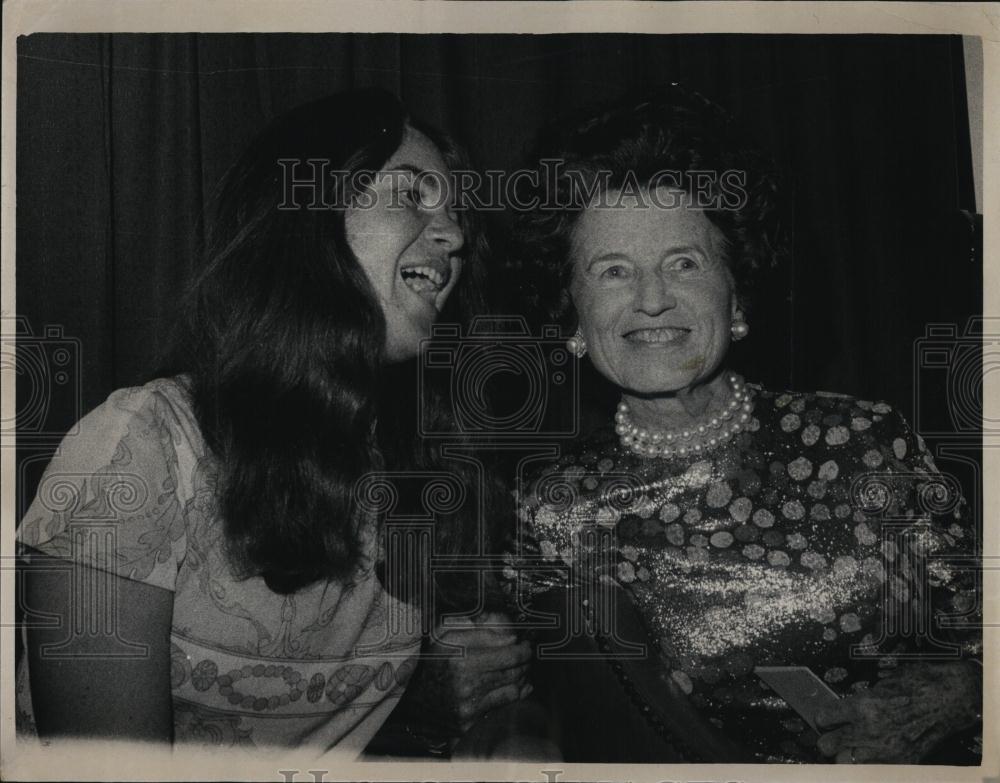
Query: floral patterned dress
(823, 536)
(132, 491)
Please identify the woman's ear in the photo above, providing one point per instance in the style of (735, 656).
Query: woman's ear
(567, 314)
(735, 312)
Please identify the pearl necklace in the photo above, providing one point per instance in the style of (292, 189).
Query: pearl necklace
(705, 436)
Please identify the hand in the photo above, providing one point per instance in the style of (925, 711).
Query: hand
(515, 732)
(902, 718)
(452, 693)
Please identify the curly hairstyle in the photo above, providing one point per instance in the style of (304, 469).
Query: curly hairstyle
(282, 340)
(673, 136)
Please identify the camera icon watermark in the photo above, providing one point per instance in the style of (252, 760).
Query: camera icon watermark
(500, 381)
(47, 370)
(949, 372)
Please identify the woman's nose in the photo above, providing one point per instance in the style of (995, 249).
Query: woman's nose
(445, 231)
(654, 295)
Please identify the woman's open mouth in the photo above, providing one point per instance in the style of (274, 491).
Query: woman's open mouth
(663, 335)
(426, 281)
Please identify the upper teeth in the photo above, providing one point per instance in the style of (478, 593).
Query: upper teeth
(422, 278)
(662, 335)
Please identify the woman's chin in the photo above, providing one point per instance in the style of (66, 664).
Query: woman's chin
(651, 380)
(656, 387)
(398, 351)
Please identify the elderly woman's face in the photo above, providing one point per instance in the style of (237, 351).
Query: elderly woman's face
(653, 293)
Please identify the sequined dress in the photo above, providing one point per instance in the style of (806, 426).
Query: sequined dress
(822, 536)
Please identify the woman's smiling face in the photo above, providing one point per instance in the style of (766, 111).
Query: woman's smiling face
(407, 239)
(653, 293)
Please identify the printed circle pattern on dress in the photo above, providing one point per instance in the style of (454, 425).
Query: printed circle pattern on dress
(793, 509)
(778, 558)
(405, 670)
(315, 689)
(669, 512)
(235, 696)
(817, 489)
(204, 675)
(810, 435)
(796, 541)
(740, 509)
(829, 470)
(384, 678)
(721, 539)
(348, 682)
(790, 422)
(872, 458)
(819, 512)
(800, 468)
(763, 518)
(718, 495)
(180, 666)
(837, 436)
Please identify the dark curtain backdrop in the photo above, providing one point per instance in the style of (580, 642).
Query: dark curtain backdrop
(121, 139)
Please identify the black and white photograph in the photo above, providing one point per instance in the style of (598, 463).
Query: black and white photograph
(493, 401)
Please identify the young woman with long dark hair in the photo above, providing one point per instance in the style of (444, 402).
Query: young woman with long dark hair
(219, 505)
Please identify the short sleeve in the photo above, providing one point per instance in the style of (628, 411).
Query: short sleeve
(109, 498)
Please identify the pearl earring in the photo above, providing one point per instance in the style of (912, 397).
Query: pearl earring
(740, 328)
(576, 345)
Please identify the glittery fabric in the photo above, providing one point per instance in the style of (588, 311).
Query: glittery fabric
(820, 537)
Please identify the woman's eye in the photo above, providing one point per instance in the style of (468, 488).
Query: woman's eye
(616, 272)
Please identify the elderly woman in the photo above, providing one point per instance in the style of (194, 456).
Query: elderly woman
(761, 570)
(253, 605)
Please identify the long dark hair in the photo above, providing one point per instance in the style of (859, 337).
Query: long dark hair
(282, 339)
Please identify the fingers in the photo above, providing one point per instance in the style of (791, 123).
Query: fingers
(833, 742)
(486, 659)
(847, 747)
(498, 678)
(473, 686)
(470, 710)
(488, 622)
(493, 618)
(862, 708)
(918, 728)
(475, 637)
(489, 672)
(483, 618)
(499, 697)
(894, 683)
(844, 712)
(856, 756)
(883, 726)
(486, 669)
